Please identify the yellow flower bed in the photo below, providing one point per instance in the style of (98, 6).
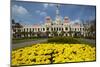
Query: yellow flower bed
(53, 53)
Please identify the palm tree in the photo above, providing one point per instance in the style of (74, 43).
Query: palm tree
(90, 28)
(93, 27)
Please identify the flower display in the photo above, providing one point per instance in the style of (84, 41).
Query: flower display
(53, 53)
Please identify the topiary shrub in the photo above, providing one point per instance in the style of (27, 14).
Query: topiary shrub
(68, 40)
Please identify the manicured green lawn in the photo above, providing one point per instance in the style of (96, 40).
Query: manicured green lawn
(71, 40)
(14, 41)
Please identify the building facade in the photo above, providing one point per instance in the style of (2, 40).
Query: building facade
(57, 27)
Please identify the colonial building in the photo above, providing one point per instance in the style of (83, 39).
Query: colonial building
(58, 27)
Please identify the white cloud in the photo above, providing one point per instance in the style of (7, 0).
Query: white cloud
(51, 5)
(76, 21)
(41, 22)
(19, 10)
(48, 5)
(43, 13)
(37, 11)
(45, 5)
(91, 17)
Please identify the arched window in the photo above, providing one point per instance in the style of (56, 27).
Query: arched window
(27, 29)
(59, 29)
(30, 29)
(24, 29)
(51, 29)
(66, 28)
(80, 29)
(75, 29)
(62, 29)
(43, 29)
(54, 29)
(38, 29)
(33, 29)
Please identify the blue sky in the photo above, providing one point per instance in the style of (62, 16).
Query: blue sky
(34, 13)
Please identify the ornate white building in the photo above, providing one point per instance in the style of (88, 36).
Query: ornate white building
(58, 25)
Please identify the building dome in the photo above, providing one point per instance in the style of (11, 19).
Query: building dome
(48, 18)
(66, 18)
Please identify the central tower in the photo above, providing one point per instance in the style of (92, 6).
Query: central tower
(58, 19)
(57, 10)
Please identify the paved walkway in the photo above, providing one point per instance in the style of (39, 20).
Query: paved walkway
(19, 45)
(90, 41)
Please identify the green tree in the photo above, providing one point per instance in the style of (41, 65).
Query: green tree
(16, 27)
